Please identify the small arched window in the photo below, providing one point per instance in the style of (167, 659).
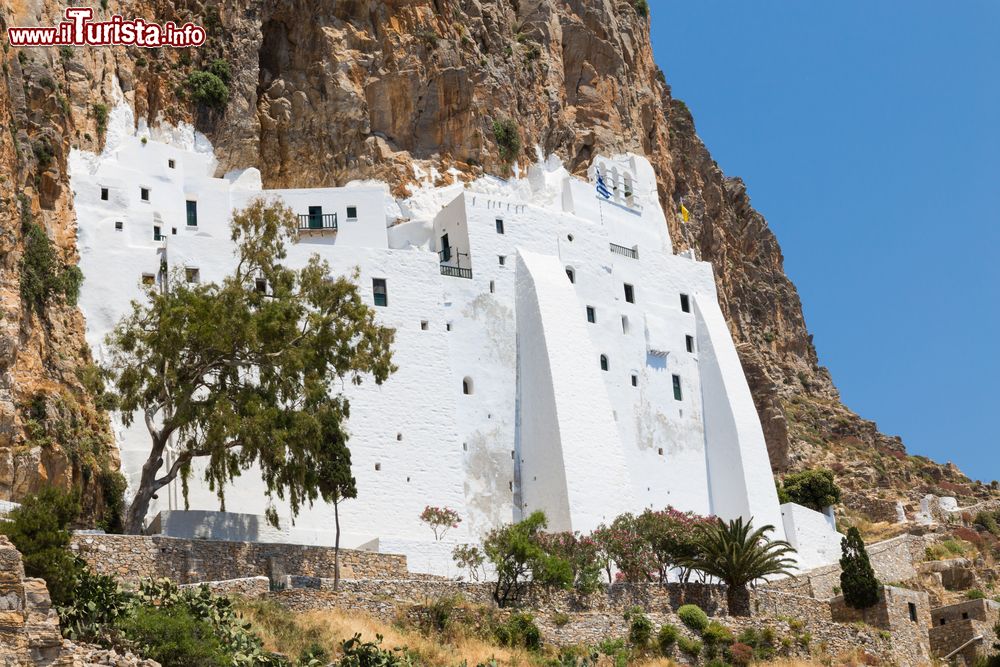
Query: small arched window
(467, 386)
(571, 274)
(604, 362)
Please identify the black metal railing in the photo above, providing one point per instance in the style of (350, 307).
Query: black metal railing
(456, 271)
(627, 252)
(318, 222)
(444, 254)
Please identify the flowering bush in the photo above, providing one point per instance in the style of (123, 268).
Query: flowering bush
(581, 552)
(440, 519)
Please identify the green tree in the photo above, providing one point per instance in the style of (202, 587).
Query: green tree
(518, 557)
(857, 578)
(39, 528)
(738, 555)
(815, 489)
(508, 139)
(208, 89)
(237, 376)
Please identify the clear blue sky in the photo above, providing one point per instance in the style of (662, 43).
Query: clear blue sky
(868, 134)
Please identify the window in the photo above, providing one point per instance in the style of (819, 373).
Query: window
(689, 343)
(148, 279)
(157, 236)
(635, 380)
(192, 275)
(604, 362)
(503, 260)
(423, 325)
(260, 285)
(399, 437)
(499, 226)
(144, 194)
(685, 303)
(591, 315)
(943, 621)
(625, 324)
(352, 212)
(378, 467)
(173, 230)
(119, 225)
(493, 287)
(913, 612)
(447, 326)
(571, 274)
(171, 164)
(192, 214)
(380, 292)
(104, 194)
(315, 217)
(629, 293)
(677, 388)
(660, 451)
(569, 237)
(467, 386)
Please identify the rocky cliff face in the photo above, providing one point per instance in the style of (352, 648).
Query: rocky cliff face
(323, 93)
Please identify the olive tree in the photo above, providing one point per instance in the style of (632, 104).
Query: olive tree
(248, 371)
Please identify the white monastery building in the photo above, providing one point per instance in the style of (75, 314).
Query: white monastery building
(554, 353)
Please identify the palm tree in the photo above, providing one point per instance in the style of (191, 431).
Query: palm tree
(738, 555)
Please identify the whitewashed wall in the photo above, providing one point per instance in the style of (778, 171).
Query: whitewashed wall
(542, 427)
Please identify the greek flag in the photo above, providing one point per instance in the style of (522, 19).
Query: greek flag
(602, 189)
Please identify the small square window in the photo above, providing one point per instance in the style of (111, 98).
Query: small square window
(503, 260)
(171, 164)
(148, 279)
(173, 230)
(192, 275)
(493, 287)
(571, 274)
(192, 213)
(119, 225)
(157, 235)
(378, 466)
(635, 380)
(144, 194)
(685, 303)
(447, 326)
(629, 293)
(604, 362)
(104, 194)
(913, 612)
(677, 388)
(625, 325)
(352, 212)
(689, 343)
(591, 315)
(380, 291)
(423, 325)
(260, 285)
(660, 451)
(500, 226)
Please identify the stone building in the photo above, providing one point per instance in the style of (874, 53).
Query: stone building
(964, 631)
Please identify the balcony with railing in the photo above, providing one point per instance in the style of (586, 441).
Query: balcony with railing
(445, 255)
(632, 253)
(318, 222)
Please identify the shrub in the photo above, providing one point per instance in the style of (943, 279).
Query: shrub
(715, 637)
(39, 530)
(640, 628)
(441, 610)
(173, 636)
(610, 647)
(975, 594)
(469, 557)
(314, 655)
(988, 521)
(560, 619)
(220, 68)
(857, 578)
(740, 654)
(96, 606)
(641, 7)
(666, 638)
(815, 489)
(508, 139)
(689, 647)
(207, 89)
(101, 116)
(516, 552)
(519, 631)
(43, 276)
(693, 617)
(440, 520)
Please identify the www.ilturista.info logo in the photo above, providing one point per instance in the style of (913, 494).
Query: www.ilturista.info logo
(79, 30)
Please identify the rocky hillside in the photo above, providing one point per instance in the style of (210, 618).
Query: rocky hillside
(321, 93)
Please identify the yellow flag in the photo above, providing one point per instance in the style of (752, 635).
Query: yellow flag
(685, 213)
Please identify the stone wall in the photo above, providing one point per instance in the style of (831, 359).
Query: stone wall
(968, 639)
(904, 613)
(135, 557)
(876, 509)
(247, 587)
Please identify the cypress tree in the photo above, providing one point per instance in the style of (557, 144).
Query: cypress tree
(857, 578)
